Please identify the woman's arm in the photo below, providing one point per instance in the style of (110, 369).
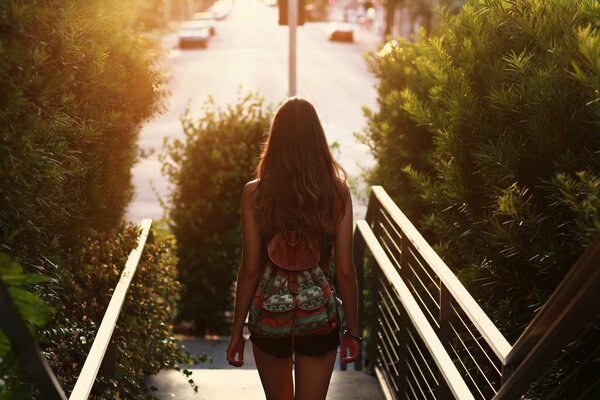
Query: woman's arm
(345, 276)
(248, 274)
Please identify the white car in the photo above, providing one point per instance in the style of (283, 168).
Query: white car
(209, 18)
(221, 8)
(194, 34)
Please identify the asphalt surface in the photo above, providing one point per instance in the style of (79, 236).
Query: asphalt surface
(250, 50)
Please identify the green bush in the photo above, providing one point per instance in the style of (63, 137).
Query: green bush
(80, 294)
(208, 169)
(494, 121)
(143, 336)
(76, 85)
(394, 138)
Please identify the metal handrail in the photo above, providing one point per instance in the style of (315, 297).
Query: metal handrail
(484, 325)
(449, 372)
(86, 378)
(32, 358)
(572, 304)
(456, 351)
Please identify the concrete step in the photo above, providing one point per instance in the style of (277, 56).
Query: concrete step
(244, 384)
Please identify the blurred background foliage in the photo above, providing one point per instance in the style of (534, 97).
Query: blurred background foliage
(487, 136)
(77, 82)
(208, 168)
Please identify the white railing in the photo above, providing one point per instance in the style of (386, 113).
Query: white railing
(429, 339)
(87, 377)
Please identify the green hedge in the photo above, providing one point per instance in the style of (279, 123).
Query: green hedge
(144, 339)
(492, 127)
(76, 85)
(487, 135)
(208, 170)
(80, 292)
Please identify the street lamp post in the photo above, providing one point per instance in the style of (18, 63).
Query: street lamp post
(292, 23)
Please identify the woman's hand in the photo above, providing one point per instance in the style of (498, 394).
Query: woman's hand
(350, 346)
(235, 350)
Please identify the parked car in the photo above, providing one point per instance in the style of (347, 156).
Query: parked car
(194, 34)
(341, 31)
(221, 8)
(209, 18)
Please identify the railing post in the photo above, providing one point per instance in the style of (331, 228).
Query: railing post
(371, 218)
(358, 256)
(375, 299)
(405, 274)
(444, 333)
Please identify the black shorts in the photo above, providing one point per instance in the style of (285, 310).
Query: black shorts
(311, 346)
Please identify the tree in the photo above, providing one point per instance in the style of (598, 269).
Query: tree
(390, 10)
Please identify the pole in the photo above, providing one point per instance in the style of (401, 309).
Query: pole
(293, 23)
(167, 12)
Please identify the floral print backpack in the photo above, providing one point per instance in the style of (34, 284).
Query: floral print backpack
(294, 296)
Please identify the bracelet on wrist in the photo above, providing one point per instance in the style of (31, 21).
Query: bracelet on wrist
(346, 333)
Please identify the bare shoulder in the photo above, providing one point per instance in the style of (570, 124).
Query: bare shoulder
(250, 187)
(249, 190)
(343, 187)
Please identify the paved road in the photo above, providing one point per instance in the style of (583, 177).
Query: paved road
(250, 50)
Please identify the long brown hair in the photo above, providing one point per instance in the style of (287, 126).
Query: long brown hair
(300, 185)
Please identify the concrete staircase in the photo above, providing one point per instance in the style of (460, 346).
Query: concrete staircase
(218, 381)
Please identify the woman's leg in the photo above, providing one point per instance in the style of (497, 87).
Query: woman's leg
(313, 375)
(275, 375)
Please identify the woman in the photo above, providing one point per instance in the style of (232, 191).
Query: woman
(299, 185)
